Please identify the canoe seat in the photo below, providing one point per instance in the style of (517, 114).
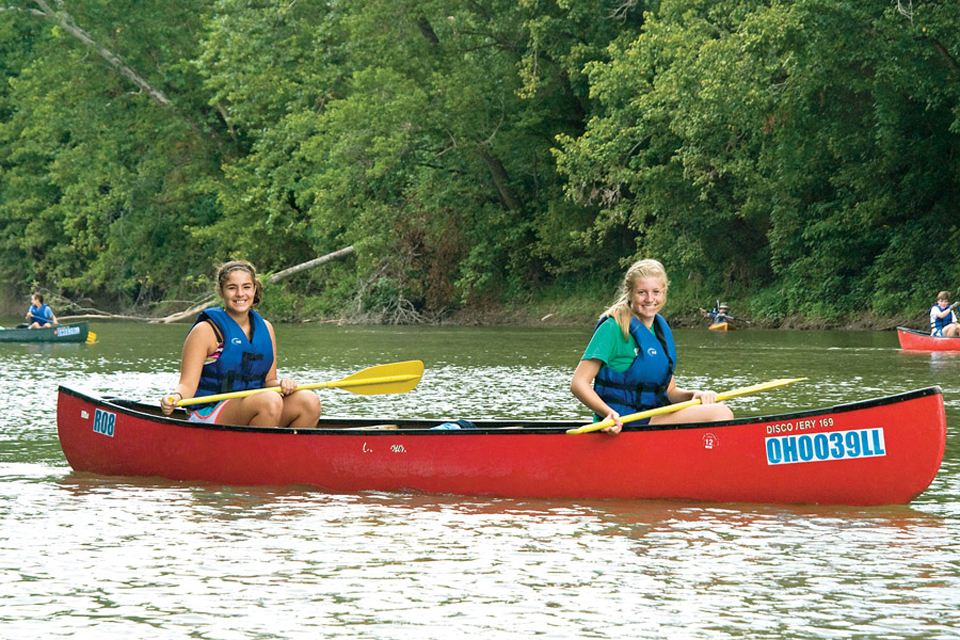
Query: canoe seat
(374, 427)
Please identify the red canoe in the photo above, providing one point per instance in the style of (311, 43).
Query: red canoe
(919, 341)
(881, 451)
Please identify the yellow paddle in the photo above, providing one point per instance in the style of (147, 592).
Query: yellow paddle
(398, 377)
(670, 408)
(91, 337)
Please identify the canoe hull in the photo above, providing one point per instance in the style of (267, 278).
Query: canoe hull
(919, 341)
(883, 451)
(75, 332)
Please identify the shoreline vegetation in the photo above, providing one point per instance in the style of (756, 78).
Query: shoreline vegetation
(533, 314)
(573, 309)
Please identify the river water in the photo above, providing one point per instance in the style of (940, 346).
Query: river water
(97, 557)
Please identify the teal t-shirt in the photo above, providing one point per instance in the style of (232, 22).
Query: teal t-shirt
(609, 347)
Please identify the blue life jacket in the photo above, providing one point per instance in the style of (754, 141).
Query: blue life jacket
(644, 384)
(936, 327)
(41, 314)
(242, 364)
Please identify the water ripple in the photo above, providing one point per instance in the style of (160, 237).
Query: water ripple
(88, 556)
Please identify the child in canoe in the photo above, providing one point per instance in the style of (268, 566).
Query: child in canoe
(40, 315)
(629, 363)
(943, 320)
(232, 348)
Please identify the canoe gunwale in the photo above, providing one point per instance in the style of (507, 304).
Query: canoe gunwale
(423, 426)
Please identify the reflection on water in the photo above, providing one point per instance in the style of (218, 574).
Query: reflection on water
(90, 556)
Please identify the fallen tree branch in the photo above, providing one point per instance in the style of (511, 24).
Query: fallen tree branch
(208, 301)
(211, 299)
(271, 279)
(310, 264)
(100, 316)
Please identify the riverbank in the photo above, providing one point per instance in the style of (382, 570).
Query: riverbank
(569, 311)
(505, 316)
(538, 316)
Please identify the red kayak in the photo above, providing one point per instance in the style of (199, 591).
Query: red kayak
(919, 341)
(881, 451)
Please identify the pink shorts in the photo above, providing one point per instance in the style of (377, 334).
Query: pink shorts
(208, 415)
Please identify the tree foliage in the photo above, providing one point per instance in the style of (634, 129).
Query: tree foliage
(799, 155)
(801, 151)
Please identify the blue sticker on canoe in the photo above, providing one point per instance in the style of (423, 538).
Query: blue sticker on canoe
(103, 422)
(818, 447)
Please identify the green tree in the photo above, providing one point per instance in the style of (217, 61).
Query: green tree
(779, 147)
(420, 132)
(105, 168)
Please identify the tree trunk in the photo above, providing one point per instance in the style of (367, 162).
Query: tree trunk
(500, 179)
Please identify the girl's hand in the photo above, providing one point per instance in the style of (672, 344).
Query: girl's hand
(706, 397)
(287, 386)
(168, 403)
(616, 427)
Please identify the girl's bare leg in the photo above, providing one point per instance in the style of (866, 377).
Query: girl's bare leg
(697, 413)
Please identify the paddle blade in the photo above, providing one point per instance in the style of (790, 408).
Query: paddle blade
(398, 377)
(91, 337)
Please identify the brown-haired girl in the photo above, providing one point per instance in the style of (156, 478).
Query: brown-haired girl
(232, 348)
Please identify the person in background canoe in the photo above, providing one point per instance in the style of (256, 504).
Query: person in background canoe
(943, 321)
(232, 348)
(719, 314)
(628, 365)
(40, 315)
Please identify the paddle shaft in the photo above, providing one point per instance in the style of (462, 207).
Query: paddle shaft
(671, 408)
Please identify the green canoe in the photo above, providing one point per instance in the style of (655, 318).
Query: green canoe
(76, 332)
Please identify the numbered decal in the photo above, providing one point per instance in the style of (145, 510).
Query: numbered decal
(103, 422)
(818, 447)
